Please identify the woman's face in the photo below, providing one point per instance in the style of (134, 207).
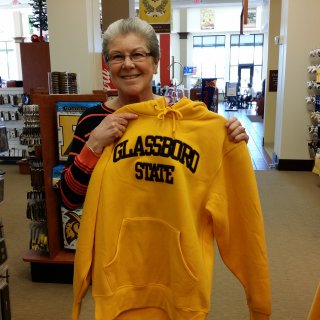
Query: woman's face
(132, 79)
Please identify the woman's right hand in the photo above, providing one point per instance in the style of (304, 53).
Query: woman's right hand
(111, 127)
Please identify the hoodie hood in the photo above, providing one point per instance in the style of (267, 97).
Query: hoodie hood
(183, 109)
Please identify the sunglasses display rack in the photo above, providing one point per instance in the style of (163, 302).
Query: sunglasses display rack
(49, 260)
(36, 207)
(313, 106)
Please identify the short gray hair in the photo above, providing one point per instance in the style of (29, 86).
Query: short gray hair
(131, 25)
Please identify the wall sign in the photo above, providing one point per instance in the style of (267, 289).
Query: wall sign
(273, 80)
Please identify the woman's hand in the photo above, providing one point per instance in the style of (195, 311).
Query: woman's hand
(111, 127)
(236, 132)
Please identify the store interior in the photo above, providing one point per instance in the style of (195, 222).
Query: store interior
(281, 121)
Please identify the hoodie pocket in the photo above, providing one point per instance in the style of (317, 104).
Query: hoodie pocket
(149, 253)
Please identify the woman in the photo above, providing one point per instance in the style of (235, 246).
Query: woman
(133, 59)
(169, 186)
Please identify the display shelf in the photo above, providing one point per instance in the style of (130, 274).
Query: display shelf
(10, 102)
(57, 254)
(13, 90)
(63, 256)
(313, 106)
(5, 308)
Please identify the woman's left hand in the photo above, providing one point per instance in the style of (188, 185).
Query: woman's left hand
(236, 132)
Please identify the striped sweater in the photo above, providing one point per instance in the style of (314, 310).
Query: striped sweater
(81, 161)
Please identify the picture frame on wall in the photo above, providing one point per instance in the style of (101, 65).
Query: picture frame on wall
(252, 18)
(207, 18)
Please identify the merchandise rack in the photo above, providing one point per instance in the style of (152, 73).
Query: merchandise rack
(57, 265)
(15, 124)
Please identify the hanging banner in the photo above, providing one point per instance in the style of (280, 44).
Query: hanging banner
(106, 79)
(157, 13)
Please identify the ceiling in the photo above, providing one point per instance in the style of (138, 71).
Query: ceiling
(175, 3)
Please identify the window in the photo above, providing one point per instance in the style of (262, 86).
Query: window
(8, 67)
(209, 57)
(247, 49)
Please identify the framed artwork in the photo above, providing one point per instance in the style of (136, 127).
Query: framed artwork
(252, 18)
(207, 18)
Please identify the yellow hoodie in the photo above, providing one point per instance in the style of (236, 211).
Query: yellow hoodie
(157, 200)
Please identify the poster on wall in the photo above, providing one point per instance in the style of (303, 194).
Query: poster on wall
(252, 18)
(157, 13)
(68, 114)
(206, 18)
(273, 80)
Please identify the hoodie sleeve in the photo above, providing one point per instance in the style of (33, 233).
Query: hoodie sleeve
(85, 242)
(238, 227)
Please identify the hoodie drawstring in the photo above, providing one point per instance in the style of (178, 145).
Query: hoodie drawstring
(164, 110)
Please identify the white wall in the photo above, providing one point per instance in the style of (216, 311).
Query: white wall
(227, 21)
(75, 25)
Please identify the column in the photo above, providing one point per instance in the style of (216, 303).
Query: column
(75, 40)
(165, 59)
(273, 60)
(292, 116)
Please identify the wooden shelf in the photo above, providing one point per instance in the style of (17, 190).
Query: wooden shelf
(63, 257)
(49, 143)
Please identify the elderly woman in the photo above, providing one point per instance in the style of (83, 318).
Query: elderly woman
(132, 53)
(168, 183)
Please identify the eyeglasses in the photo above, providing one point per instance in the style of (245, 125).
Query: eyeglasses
(137, 56)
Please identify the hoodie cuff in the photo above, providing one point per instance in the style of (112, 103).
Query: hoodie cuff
(76, 310)
(87, 157)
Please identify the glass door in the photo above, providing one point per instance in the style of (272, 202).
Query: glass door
(245, 76)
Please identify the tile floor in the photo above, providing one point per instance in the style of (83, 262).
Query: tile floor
(260, 158)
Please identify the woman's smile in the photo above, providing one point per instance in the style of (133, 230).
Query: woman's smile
(130, 77)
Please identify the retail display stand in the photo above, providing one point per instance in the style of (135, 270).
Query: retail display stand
(5, 310)
(56, 265)
(313, 106)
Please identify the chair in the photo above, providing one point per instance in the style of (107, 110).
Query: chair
(260, 105)
(232, 97)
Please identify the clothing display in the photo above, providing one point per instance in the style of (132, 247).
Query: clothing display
(157, 200)
(81, 160)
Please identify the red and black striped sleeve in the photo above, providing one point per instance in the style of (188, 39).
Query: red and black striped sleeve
(81, 161)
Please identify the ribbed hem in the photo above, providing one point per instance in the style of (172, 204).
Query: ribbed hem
(75, 311)
(258, 316)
